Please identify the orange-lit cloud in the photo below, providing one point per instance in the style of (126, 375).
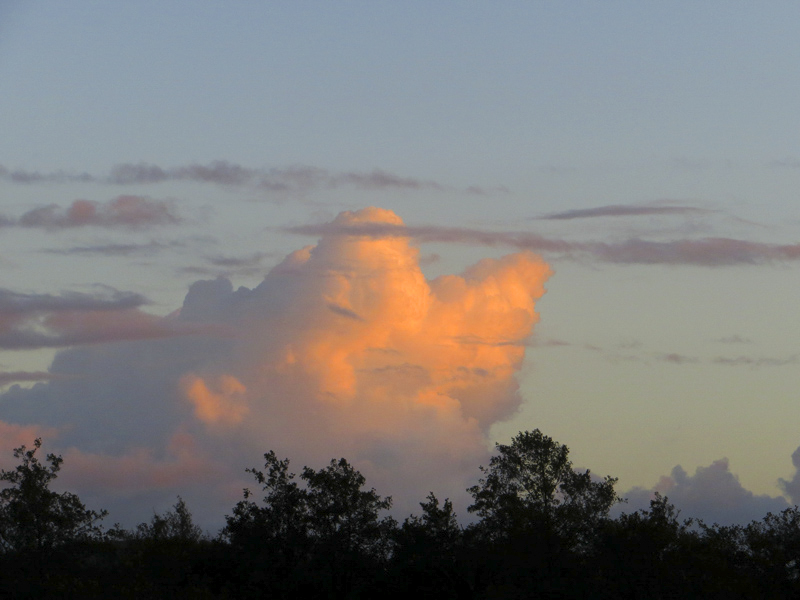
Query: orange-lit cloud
(345, 349)
(222, 405)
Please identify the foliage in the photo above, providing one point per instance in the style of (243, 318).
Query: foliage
(324, 534)
(544, 531)
(175, 524)
(530, 485)
(33, 517)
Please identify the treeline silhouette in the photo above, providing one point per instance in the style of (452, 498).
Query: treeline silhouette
(542, 531)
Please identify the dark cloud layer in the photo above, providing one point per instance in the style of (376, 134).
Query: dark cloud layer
(30, 321)
(23, 376)
(16, 303)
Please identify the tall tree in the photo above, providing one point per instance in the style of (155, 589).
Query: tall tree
(530, 485)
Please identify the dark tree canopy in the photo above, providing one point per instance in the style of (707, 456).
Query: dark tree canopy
(543, 531)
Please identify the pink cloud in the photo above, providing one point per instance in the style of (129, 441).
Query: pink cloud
(122, 211)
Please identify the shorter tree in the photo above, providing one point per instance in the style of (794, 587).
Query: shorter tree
(326, 535)
(174, 525)
(32, 516)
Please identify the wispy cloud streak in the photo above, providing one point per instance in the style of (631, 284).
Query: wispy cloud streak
(108, 249)
(295, 178)
(298, 177)
(708, 252)
(622, 210)
(123, 211)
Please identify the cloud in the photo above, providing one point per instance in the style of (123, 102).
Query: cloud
(295, 178)
(734, 339)
(754, 361)
(785, 163)
(20, 376)
(22, 176)
(712, 494)
(677, 359)
(29, 321)
(122, 211)
(344, 349)
(707, 252)
(792, 486)
(226, 266)
(109, 249)
(622, 210)
(16, 303)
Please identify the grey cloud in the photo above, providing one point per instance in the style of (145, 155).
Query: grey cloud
(755, 361)
(139, 173)
(677, 359)
(238, 261)
(792, 487)
(713, 494)
(378, 179)
(16, 303)
(734, 339)
(220, 172)
(108, 249)
(295, 178)
(30, 177)
(708, 252)
(298, 177)
(343, 312)
(785, 163)
(622, 210)
(24, 376)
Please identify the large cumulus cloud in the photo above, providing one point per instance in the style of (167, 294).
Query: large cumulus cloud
(345, 349)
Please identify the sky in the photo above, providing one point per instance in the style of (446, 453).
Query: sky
(401, 233)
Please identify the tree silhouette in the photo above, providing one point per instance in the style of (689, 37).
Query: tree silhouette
(324, 538)
(32, 516)
(531, 485)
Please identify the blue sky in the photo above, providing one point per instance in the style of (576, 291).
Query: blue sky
(649, 153)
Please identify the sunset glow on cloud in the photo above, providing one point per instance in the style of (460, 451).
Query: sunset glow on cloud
(344, 349)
